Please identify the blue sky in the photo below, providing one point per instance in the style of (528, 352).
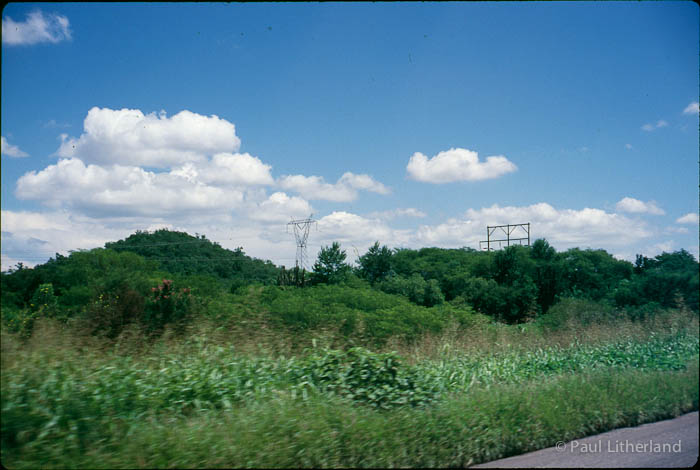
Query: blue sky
(414, 124)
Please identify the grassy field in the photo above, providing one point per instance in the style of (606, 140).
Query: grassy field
(218, 397)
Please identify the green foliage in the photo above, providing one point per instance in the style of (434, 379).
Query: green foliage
(360, 312)
(365, 377)
(297, 277)
(69, 406)
(61, 406)
(591, 273)
(44, 299)
(375, 265)
(542, 250)
(580, 311)
(518, 283)
(119, 306)
(20, 321)
(415, 288)
(43, 304)
(108, 289)
(181, 253)
(75, 297)
(660, 352)
(167, 306)
(330, 267)
(112, 310)
(511, 264)
(666, 280)
(508, 303)
(463, 430)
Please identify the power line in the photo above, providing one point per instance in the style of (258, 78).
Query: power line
(127, 247)
(159, 244)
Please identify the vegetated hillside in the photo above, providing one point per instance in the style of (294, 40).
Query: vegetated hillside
(181, 253)
(171, 278)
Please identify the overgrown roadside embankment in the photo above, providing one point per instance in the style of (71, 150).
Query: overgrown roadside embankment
(193, 404)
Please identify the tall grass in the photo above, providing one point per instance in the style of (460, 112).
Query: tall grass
(323, 431)
(69, 401)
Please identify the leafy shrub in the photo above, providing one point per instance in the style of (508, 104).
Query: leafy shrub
(20, 321)
(75, 297)
(111, 311)
(43, 303)
(44, 299)
(415, 288)
(381, 315)
(407, 322)
(166, 305)
(365, 377)
(580, 311)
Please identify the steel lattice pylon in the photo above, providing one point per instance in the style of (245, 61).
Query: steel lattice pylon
(301, 233)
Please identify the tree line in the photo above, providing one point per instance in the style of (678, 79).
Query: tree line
(519, 282)
(109, 287)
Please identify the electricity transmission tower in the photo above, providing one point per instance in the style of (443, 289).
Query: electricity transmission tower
(507, 231)
(301, 233)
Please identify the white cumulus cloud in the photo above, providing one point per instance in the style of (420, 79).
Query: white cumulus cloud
(124, 190)
(36, 28)
(228, 169)
(635, 206)
(344, 190)
(690, 218)
(279, 207)
(33, 237)
(407, 212)
(692, 108)
(457, 164)
(564, 228)
(11, 150)
(358, 231)
(130, 137)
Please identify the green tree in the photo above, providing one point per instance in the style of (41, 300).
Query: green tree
(375, 265)
(511, 264)
(547, 274)
(415, 288)
(664, 279)
(542, 250)
(330, 267)
(591, 274)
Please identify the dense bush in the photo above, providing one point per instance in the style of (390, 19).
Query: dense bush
(518, 283)
(181, 253)
(113, 310)
(365, 377)
(415, 288)
(667, 280)
(360, 311)
(167, 306)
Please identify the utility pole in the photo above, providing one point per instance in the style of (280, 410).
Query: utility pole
(301, 234)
